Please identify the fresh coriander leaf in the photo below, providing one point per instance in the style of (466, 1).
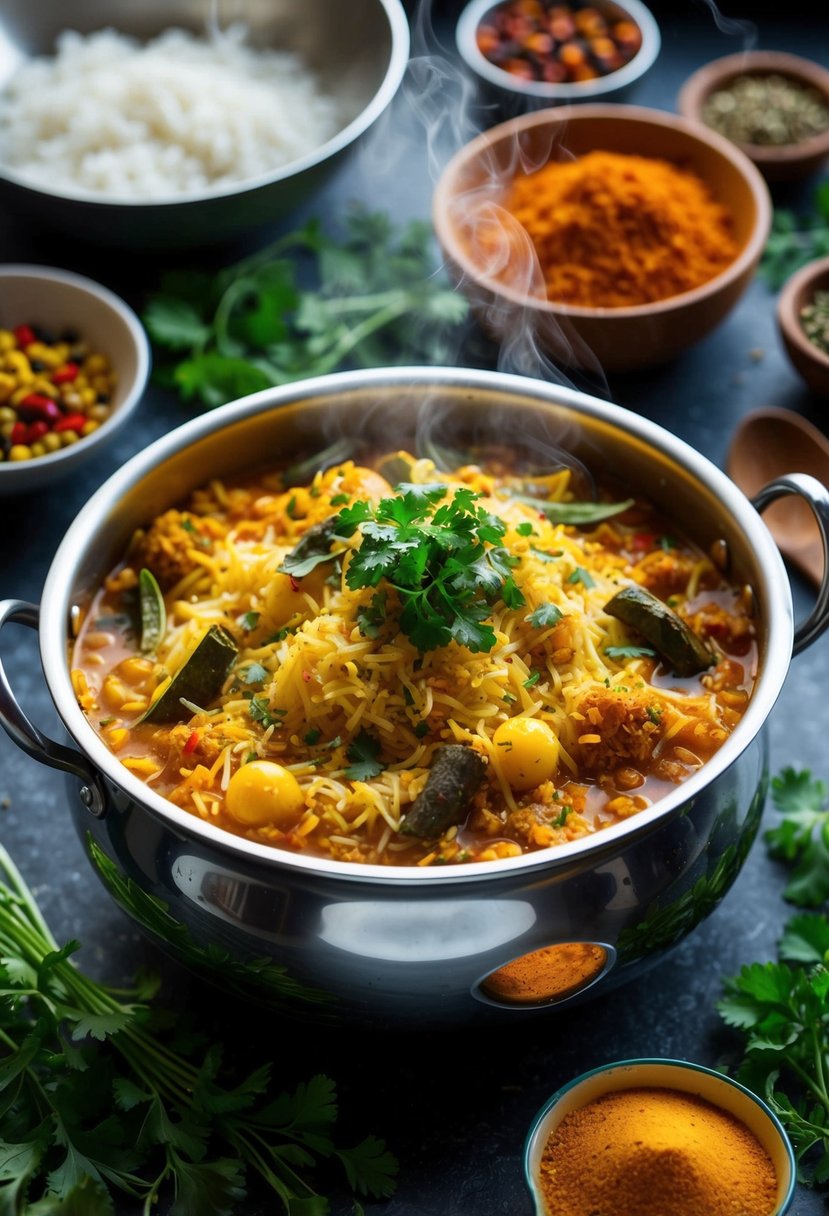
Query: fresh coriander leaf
(580, 575)
(545, 616)
(260, 711)
(802, 835)
(532, 680)
(248, 620)
(371, 619)
(421, 729)
(313, 737)
(525, 529)
(544, 555)
(629, 652)
(339, 500)
(207, 1188)
(175, 323)
(561, 819)
(215, 378)
(370, 1168)
(363, 752)
(254, 673)
(806, 940)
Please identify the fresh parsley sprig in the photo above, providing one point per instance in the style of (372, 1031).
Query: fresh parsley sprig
(441, 556)
(93, 1102)
(782, 1011)
(802, 835)
(796, 239)
(375, 301)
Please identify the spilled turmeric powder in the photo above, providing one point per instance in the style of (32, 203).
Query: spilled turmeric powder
(655, 1152)
(613, 230)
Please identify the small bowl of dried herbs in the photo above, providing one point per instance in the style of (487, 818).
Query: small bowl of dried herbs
(772, 105)
(803, 318)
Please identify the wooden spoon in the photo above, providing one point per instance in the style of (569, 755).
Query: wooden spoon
(767, 443)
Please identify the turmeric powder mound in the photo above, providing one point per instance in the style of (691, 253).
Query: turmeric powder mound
(613, 230)
(655, 1152)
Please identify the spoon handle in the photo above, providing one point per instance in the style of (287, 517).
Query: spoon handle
(817, 498)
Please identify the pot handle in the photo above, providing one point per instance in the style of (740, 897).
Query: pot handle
(28, 738)
(816, 496)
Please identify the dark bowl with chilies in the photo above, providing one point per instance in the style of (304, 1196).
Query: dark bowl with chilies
(403, 946)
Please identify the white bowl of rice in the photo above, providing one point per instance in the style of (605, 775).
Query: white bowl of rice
(178, 127)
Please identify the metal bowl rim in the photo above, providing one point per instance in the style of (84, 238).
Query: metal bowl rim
(81, 533)
(392, 78)
(601, 87)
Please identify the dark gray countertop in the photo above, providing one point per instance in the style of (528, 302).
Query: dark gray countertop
(454, 1107)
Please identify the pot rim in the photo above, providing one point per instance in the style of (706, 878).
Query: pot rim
(57, 601)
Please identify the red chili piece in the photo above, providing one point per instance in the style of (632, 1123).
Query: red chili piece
(72, 422)
(191, 743)
(65, 374)
(294, 583)
(24, 334)
(18, 434)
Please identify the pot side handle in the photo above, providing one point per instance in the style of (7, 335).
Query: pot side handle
(816, 496)
(26, 735)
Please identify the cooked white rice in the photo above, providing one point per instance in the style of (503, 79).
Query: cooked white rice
(179, 115)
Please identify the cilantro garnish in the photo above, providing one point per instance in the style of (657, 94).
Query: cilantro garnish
(260, 711)
(421, 729)
(533, 679)
(339, 500)
(104, 1109)
(525, 529)
(363, 752)
(580, 575)
(783, 1013)
(313, 737)
(248, 620)
(443, 558)
(255, 673)
(561, 817)
(802, 835)
(370, 298)
(544, 616)
(629, 652)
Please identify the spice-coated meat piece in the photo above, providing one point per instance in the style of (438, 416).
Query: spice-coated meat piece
(166, 548)
(617, 726)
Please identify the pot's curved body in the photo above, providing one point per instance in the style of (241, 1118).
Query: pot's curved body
(418, 952)
(391, 946)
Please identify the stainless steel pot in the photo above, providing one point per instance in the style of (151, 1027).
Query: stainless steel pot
(389, 947)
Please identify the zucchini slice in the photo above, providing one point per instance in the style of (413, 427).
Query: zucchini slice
(456, 773)
(670, 637)
(153, 612)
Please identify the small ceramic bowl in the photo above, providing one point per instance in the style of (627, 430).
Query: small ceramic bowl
(58, 300)
(616, 339)
(785, 162)
(798, 291)
(720, 1091)
(526, 93)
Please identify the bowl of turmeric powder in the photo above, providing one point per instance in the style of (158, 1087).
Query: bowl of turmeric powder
(615, 236)
(646, 1137)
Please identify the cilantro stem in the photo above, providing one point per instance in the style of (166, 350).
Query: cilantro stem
(358, 333)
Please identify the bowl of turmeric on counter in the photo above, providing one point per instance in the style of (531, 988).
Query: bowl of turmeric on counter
(646, 1137)
(615, 236)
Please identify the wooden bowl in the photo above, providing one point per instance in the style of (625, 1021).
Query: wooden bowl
(786, 162)
(619, 339)
(798, 291)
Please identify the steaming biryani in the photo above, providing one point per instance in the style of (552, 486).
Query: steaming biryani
(396, 665)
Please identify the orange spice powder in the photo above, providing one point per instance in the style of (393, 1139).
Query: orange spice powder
(655, 1152)
(613, 230)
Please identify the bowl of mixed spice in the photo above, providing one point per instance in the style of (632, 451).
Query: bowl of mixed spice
(74, 362)
(541, 51)
(773, 106)
(609, 235)
(803, 320)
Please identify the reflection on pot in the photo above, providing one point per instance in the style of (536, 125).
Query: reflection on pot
(258, 978)
(548, 975)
